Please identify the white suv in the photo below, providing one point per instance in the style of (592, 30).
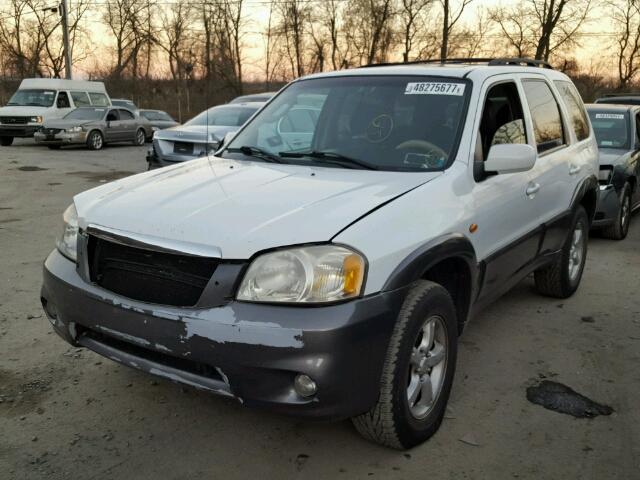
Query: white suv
(325, 261)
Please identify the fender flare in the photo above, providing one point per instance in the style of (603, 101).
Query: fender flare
(417, 263)
(588, 186)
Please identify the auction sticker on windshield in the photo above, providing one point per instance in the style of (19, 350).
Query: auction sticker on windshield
(434, 88)
(610, 116)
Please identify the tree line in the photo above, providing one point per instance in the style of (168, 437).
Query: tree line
(205, 42)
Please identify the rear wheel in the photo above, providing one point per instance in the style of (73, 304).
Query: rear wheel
(95, 140)
(6, 141)
(562, 278)
(620, 227)
(418, 371)
(141, 138)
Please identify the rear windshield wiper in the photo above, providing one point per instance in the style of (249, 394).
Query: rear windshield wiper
(256, 152)
(331, 157)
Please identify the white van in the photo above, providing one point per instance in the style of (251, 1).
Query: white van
(40, 99)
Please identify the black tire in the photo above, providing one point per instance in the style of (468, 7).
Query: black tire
(390, 422)
(555, 279)
(95, 140)
(54, 147)
(6, 141)
(620, 227)
(140, 139)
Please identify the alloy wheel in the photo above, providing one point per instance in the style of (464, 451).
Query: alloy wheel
(427, 367)
(576, 252)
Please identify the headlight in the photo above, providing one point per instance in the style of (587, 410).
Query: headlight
(67, 241)
(314, 274)
(74, 130)
(37, 119)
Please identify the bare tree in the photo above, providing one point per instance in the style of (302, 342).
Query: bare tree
(625, 15)
(410, 13)
(450, 17)
(176, 21)
(293, 16)
(542, 27)
(129, 22)
(369, 30)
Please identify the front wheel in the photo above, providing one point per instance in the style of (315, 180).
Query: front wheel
(620, 227)
(561, 278)
(6, 141)
(95, 140)
(140, 139)
(418, 371)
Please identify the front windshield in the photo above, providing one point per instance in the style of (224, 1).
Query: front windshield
(404, 123)
(33, 98)
(611, 128)
(223, 116)
(86, 114)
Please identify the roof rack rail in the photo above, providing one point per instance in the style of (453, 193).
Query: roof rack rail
(525, 62)
(492, 62)
(628, 94)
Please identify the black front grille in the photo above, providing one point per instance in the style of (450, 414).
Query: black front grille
(15, 120)
(147, 275)
(51, 131)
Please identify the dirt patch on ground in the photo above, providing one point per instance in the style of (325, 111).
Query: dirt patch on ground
(29, 168)
(22, 393)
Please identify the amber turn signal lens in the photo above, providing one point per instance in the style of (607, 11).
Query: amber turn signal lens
(353, 268)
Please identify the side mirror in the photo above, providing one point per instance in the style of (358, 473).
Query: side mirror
(510, 158)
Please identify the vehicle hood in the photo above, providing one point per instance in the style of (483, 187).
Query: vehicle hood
(233, 209)
(612, 156)
(62, 123)
(194, 133)
(22, 111)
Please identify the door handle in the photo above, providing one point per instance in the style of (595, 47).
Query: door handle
(573, 169)
(532, 189)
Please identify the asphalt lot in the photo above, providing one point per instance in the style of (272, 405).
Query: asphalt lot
(67, 413)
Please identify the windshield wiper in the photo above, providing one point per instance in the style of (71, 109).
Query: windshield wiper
(256, 152)
(331, 157)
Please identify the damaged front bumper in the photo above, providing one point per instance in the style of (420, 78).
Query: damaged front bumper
(252, 352)
(608, 206)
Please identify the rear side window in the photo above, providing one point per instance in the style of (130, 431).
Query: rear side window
(80, 99)
(99, 99)
(547, 123)
(125, 115)
(575, 107)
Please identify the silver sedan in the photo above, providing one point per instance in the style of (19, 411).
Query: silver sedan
(93, 127)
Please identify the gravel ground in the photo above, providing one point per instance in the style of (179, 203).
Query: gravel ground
(67, 413)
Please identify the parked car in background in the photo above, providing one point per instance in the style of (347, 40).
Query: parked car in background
(144, 123)
(617, 130)
(158, 119)
(199, 136)
(93, 127)
(333, 279)
(620, 99)
(38, 100)
(254, 97)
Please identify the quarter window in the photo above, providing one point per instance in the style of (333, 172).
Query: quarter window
(80, 99)
(99, 99)
(547, 123)
(575, 107)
